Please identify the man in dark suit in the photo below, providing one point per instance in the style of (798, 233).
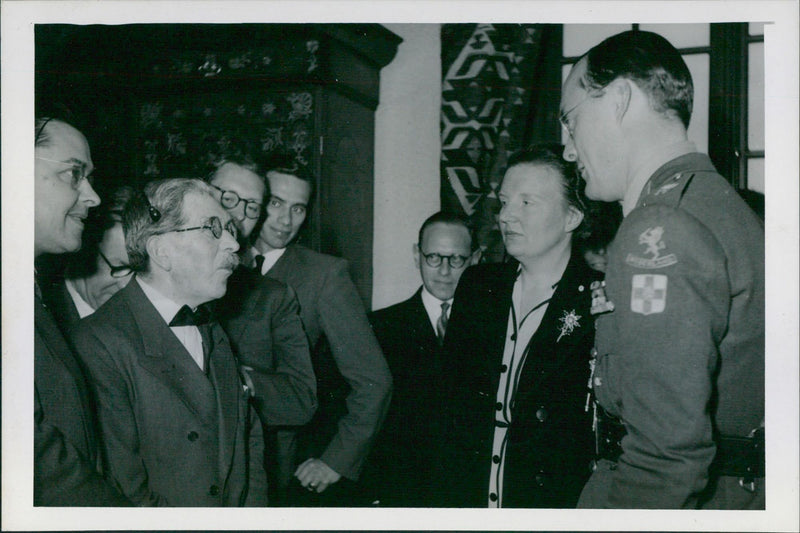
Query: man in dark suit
(329, 305)
(411, 334)
(65, 440)
(260, 315)
(173, 410)
(97, 271)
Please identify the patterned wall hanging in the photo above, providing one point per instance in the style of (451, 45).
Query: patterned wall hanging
(489, 73)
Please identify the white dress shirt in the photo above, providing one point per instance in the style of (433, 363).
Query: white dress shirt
(84, 309)
(270, 258)
(188, 335)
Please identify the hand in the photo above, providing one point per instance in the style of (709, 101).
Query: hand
(315, 475)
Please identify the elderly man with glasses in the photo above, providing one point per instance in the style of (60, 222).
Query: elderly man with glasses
(95, 273)
(172, 407)
(65, 440)
(260, 315)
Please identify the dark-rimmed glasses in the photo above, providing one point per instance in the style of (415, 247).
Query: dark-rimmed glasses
(117, 271)
(214, 225)
(73, 175)
(230, 200)
(455, 261)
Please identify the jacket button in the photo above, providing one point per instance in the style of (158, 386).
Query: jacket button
(541, 414)
(503, 368)
(540, 480)
(498, 406)
(493, 497)
(496, 459)
(213, 490)
(192, 436)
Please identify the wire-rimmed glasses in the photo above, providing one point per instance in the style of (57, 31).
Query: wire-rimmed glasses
(117, 271)
(215, 226)
(74, 175)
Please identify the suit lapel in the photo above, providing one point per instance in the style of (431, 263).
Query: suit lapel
(546, 349)
(421, 323)
(166, 358)
(224, 376)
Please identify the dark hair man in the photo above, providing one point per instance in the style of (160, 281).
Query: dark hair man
(64, 440)
(329, 306)
(172, 408)
(260, 315)
(680, 327)
(411, 334)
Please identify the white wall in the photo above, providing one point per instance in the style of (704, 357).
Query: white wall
(407, 151)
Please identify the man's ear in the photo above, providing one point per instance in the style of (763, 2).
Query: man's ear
(621, 91)
(475, 257)
(574, 219)
(159, 252)
(415, 251)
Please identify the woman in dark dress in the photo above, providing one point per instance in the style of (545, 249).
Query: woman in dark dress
(515, 430)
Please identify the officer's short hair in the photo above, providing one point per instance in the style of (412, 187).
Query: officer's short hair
(650, 61)
(158, 209)
(448, 217)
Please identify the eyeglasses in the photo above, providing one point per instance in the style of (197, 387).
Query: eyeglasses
(214, 225)
(455, 261)
(117, 271)
(563, 118)
(230, 200)
(73, 175)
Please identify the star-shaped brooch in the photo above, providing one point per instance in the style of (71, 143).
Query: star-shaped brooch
(568, 323)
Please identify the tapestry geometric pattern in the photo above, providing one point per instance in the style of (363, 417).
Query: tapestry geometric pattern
(489, 71)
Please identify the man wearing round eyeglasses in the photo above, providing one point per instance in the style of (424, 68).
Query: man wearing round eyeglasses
(65, 437)
(172, 407)
(411, 334)
(260, 315)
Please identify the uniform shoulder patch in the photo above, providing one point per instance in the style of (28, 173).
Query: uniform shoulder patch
(649, 293)
(652, 240)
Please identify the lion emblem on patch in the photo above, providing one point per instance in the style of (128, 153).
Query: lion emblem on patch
(653, 240)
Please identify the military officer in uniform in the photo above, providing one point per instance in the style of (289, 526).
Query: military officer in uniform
(679, 360)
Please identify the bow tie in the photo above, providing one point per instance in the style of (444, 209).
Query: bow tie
(186, 317)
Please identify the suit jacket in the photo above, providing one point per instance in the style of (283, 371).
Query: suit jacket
(330, 305)
(259, 314)
(172, 435)
(549, 442)
(60, 303)
(398, 471)
(64, 440)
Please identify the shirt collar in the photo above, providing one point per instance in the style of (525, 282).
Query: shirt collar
(433, 306)
(165, 307)
(654, 160)
(270, 258)
(83, 307)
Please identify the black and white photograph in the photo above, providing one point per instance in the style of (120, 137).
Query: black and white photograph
(397, 265)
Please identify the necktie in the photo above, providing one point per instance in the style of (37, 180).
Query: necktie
(259, 263)
(441, 324)
(186, 317)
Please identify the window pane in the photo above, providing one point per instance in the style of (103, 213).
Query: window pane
(681, 35)
(756, 28)
(578, 38)
(755, 174)
(755, 96)
(698, 127)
